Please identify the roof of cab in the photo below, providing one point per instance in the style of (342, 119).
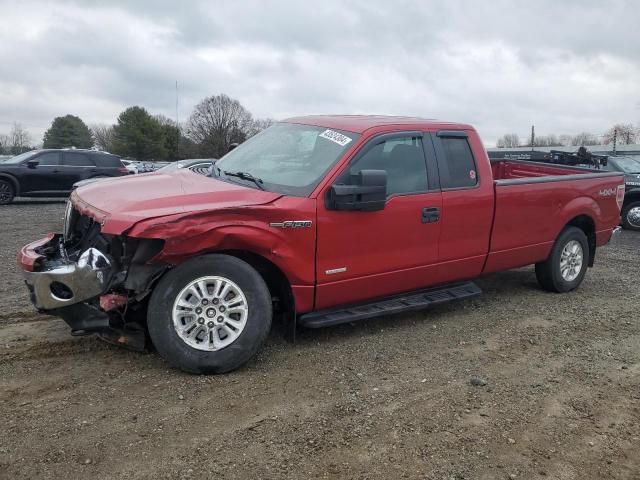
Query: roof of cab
(361, 123)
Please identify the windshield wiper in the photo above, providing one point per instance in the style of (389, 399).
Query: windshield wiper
(246, 176)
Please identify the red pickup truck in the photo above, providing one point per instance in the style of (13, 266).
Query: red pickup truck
(318, 220)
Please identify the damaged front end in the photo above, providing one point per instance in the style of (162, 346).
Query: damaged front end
(97, 283)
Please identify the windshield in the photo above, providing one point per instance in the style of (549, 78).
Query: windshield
(287, 158)
(627, 165)
(21, 157)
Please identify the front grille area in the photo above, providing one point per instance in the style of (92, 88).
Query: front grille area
(82, 232)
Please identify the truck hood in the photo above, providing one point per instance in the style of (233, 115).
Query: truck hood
(119, 203)
(632, 180)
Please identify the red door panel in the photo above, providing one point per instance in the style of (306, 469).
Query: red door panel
(363, 255)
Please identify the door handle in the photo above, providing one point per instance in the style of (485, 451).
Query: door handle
(430, 214)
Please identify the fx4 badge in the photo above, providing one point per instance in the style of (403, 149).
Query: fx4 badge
(292, 224)
(608, 192)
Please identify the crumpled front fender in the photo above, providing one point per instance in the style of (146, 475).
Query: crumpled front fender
(257, 229)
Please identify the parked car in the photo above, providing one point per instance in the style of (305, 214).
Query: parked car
(52, 173)
(317, 220)
(631, 206)
(130, 165)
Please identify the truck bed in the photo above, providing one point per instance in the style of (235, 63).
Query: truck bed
(534, 202)
(514, 169)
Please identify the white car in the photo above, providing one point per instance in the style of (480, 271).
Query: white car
(130, 165)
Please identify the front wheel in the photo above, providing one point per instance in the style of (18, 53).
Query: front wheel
(210, 314)
(566, 267)
(7, 192)
(631, 216)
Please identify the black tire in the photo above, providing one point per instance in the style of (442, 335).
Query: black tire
(548, 273)
(7, 192)
(187, 358)
(629, 221)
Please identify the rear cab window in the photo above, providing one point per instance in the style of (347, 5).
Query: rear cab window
(456, 163)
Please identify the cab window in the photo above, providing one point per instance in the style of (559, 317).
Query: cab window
(402, 158)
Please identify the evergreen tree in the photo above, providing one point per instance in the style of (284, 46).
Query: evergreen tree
(138, 135)
(68, 131)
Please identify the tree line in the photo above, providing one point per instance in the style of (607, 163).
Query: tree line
(215, 123)
(624, 134)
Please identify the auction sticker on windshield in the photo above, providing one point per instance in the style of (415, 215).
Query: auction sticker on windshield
(336, 137)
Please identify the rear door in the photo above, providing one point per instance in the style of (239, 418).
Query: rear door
(467, 204)
(363, 255)
(76, 166)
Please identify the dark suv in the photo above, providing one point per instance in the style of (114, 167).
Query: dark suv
(52, 173)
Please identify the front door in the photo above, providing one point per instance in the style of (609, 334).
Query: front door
(44, 175)
(363, 255)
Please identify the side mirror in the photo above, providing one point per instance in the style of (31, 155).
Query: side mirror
(232, 146)
(367, 193)
(32, 163)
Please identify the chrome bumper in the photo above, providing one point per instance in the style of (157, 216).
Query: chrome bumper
(70, 283)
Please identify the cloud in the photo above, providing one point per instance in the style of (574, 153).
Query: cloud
(565, 66)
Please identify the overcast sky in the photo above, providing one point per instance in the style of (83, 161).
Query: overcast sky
(566, 66)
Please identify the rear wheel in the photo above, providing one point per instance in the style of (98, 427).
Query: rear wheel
(631, 216)
(567, 265)
(210, 314)
(7, 192)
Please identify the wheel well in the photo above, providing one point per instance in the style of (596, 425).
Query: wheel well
(586, 224)
(634, 196)
(13, 180)
(276, 280)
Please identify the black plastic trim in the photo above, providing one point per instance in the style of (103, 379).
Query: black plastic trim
(452, 133)
(390, 305)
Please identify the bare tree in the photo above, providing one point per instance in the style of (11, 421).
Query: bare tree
(509, 140)
(565, 140)
(4, 144)
(553, 141)
(19, 139)
(103, 136)
(584, 139)
(260, 124)
(625, 133)
(217, 122)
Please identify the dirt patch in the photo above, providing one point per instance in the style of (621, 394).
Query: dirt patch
(388, 398)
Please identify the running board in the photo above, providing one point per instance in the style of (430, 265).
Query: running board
(390, 305)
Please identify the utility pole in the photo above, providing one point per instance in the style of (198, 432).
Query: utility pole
(533, 137)
(615, 138)
(177, 125)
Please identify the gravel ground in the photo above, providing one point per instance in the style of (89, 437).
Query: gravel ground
(400, 397)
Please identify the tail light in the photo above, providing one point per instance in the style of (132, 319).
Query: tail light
(620, 196)
(124, 170)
